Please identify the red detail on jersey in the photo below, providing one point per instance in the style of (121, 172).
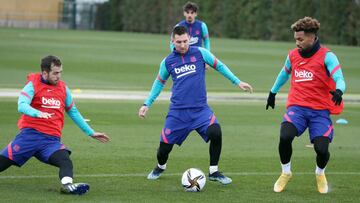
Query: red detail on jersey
(193, 59)
(161, 80)
(287, 118)
(215, 63)
(310, 84)
(212, 119)
(26, 95)
(335, 69)
(70, 106)
(10, 154)
(206, 36)
(50, 99)
(197, 32)
(287, 70)
(328, 131)
(164, 136)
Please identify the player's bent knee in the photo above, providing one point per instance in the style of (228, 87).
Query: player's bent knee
(164, 149)
(321, 145)
(288, 132)
(214, 132)
(61, 159)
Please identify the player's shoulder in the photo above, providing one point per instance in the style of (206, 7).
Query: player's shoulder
(183, 22)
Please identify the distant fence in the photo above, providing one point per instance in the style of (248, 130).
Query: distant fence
(53, 14)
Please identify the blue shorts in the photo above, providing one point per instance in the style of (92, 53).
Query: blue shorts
(180, 122)
(30, 142)
(318, 121)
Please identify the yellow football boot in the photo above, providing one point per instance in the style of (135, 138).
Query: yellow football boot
(281, 182)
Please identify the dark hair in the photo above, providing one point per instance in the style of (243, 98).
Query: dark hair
(306, 24)
(48, 62)
(179, 30)
(190, 6)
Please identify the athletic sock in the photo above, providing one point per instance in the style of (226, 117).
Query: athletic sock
(163, 167)
(213, 169)
(319, 171)
(286, 168)
(66, 180)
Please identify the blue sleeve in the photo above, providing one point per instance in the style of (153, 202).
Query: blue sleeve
(283, 76)
(158, 84)
(75, 115)
(211, 60)
(24, 101)
(333, 66)
(205, 36)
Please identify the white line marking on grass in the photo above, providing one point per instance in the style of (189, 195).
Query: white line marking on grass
(109, 175)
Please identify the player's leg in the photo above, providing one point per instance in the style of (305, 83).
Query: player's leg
(162, 157)
(215, 136)
(175, 131)
(321, 133)
(5, 163)
(207, 125)
(61, 159)
(321, 146)
(287, 134)
(294, 124)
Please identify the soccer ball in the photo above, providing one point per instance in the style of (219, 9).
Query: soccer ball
(193, 180)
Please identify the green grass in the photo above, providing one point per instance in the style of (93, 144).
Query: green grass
(250, 138)
(130, 61)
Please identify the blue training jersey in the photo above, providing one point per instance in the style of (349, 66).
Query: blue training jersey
(198, 32)
(188, 74)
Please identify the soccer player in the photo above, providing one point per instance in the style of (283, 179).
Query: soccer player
(197, 29)
(317, 86)
(188, 109)
(42, 103)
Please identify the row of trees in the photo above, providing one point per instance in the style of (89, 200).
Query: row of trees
(246, 19)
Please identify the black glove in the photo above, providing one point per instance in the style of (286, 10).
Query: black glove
(337, 96)
(271, 100)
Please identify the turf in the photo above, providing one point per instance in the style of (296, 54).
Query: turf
(117, 170)
(130, 61)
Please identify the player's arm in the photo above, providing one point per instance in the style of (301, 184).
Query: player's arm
(216, 64)
(334, 69)
(24, 101)
(156, 89)
(281, 79)
(205, 36)
(78, 119)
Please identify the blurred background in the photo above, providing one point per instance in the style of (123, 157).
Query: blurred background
(245, 19)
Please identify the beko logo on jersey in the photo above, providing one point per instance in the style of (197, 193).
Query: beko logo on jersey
(303, 75)
(184, 70)
(50, 103)
(193, 40)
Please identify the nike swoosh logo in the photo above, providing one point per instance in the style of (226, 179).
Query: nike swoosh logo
(49, 90)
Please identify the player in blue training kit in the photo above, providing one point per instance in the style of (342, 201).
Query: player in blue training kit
(197, 29)
(188, 109)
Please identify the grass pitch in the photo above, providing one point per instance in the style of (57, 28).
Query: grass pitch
(117, 171)
(130, 61)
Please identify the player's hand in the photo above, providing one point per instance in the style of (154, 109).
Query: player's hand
(102, 137)
(142, 111)
(271, 100)
(337, 96)
(207, 67)
(45, 115)
(246, 87)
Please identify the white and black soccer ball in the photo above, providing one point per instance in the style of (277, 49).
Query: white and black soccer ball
(193, 180)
